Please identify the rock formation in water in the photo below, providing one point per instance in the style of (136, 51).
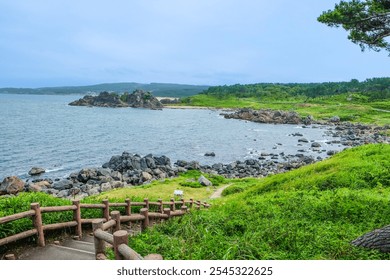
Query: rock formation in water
(137, 99)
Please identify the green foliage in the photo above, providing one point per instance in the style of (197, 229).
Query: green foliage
(367, 21)
(364, 102)
(310, 213)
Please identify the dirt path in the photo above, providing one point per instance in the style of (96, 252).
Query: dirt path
(218, 192)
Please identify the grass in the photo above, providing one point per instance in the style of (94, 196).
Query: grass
(164, 189)
(310, 213)
(321, 108)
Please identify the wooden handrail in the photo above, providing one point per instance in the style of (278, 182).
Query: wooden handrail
(114, 221)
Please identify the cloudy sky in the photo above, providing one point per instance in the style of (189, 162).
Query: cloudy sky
(204, 42)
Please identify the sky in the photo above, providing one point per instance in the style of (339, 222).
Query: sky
(201, 42)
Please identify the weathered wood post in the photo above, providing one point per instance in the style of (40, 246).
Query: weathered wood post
(116, 216)
(146, 201)
(184, 209)
(183, 202)
(120, 237)
(191, 202)
(128, 207)
(99, 243)
(145, 223)
(173, 206)
(167, 211)
(37, 220)
(77, 218)
(161, 207)
(198, 205)
(106, 210)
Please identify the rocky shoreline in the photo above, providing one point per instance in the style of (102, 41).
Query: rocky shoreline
(137, 99)
(132, 169)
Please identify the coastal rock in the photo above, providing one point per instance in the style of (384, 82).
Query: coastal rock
(266, 116)
(36, 171)
(315, 145)
(62, 185)
(11, 185)
(142, 99)
(209, 154)
(204, 181)
(137, 99)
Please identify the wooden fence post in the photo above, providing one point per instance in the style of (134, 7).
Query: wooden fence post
(167, 211)
(146, 200)
(116, 216)
(184, 208)
(183, 201)
(128, 207)
(191, 202)
(99, 243)
(120, 237)
(161, 207)
(173, 207)
(38, 223)
(106, 210)
(198, 205)
(77, 218)
(145, 223)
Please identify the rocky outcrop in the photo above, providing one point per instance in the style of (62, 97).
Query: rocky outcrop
(137, 99)
(266, 116)
(104, 99)
(142, 99)
(11, 185)
(36, 171)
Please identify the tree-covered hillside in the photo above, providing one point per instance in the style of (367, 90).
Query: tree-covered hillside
(372, 89)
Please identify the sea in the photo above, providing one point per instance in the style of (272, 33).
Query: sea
(44, 131)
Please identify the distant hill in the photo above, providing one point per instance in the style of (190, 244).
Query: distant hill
(158, 89)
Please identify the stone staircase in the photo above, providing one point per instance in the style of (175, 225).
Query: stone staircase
(69, 249)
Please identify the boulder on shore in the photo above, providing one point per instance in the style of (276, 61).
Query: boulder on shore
(11, 185)
(36, 171)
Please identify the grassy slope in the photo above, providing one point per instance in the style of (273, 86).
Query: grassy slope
(321, 108)
(310, 213)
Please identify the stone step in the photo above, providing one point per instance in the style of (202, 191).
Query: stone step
(57, 252)
(79, 245)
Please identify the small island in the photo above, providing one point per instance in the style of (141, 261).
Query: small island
(137, 99)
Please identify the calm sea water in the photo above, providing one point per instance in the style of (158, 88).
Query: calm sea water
(42, 130)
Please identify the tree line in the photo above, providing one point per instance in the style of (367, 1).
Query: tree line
(373, 89)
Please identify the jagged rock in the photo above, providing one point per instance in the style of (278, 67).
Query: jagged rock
(209, 154)
(11, 185)
(63, 184)
(105, 187)
(204, 181)
(266, 116)
(315, 145)
(36, 171)
(145, 176)
(137, 99)
(334, 119)
(378, 239)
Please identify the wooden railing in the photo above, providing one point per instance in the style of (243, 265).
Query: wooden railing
(107, 221)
